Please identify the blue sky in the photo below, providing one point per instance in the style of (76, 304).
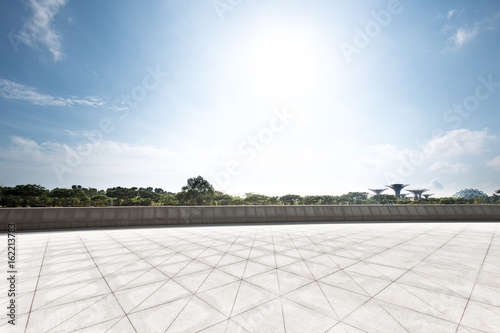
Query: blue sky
(271, 97)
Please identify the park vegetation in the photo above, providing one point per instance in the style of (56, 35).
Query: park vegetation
(198, 191)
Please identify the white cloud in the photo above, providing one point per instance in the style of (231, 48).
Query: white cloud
(446, 28)
(436, 183)
(16, 91)
(447, 167)
(458, 142)
(108, 158)
(39, 29)
(451, 13)
(397, 164)
(13, 90)
(491, 23)
(459, 33)
(453, 143)
(27, 146)
(494, 163)
(462, 36)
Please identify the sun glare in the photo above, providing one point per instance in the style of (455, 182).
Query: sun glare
(282, 65)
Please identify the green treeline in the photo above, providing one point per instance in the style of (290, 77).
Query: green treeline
(198, 191)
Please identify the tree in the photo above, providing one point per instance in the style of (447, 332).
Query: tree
(447, 201)
(354, 198)
(197, 192)
(30, 190)
(222, 199)
(79, 193)
(274, 200)
(61, 193)
(291, 199)
(148, 198)
(312, 200)
(328, 200)
(122, 193)
(27, 195)
(168, 199)
(383, 199)
(495, 198)
(256, 199)
(100, 200)
(159, 190)
(90, 192)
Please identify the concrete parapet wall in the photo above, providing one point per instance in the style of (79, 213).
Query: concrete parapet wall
(97, 217)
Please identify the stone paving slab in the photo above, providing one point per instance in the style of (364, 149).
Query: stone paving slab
(390, 277)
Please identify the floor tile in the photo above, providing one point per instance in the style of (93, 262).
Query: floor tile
(267, 317)
(158, 318)
(193, 281)
(312, 297)
(289, 282)
(130, 298)
(168, 292)
(195, 316)
(302, 319)
(267, 281)
(215, 279)
(351, 277)
(341, 279)
(481, 316)
(250, 296)
(429, 302)
(221, 298)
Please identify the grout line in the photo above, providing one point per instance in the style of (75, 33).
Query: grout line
(315, 280)
(419, 235)
(111, 290)
(194, 294)
(477, 277)
(270, 235)
(241, 279)
(36, 286)
(279, 285)
(169, 278)
(390, 315)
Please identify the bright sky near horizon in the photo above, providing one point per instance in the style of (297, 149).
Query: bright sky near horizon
(272, 97)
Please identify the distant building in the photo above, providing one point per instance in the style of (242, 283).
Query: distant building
(397, 189)
(470, 193)
(417, 194)
(378, 191)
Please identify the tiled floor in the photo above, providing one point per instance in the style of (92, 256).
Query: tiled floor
(278, 278)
